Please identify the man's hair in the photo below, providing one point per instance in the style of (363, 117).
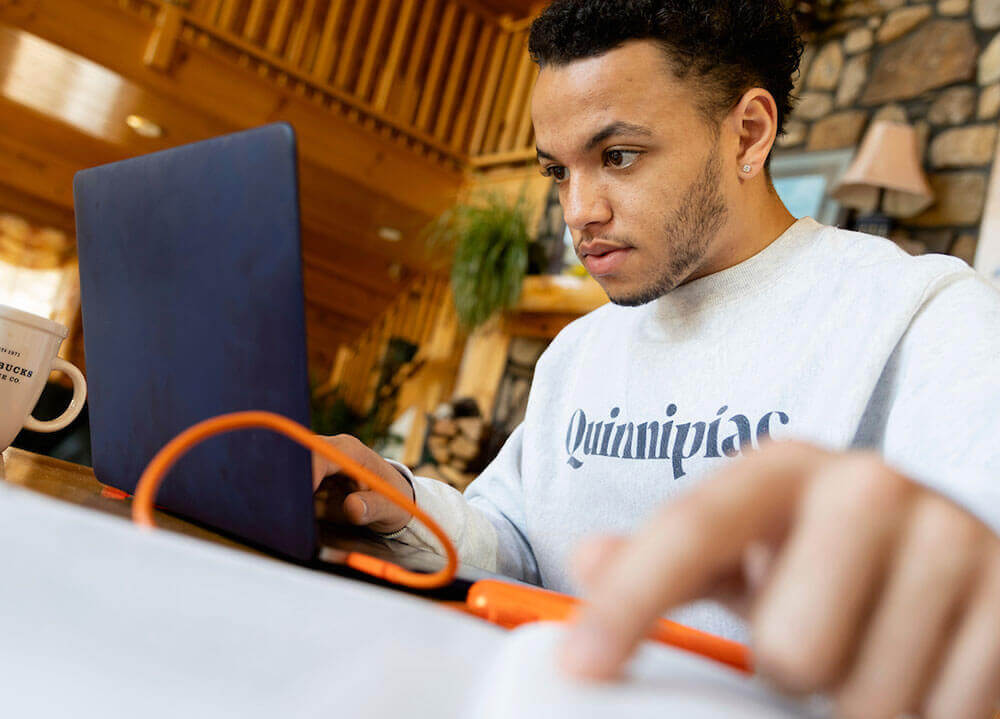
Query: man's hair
(726, 46)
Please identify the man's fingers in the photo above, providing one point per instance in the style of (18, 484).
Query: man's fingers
(692, 544)
(737, 591)
(968, 685)
(593, 557)
(346, 444)
(368, 509)
(322, 468)
(372, 510)
(908, 630)
(806, 620)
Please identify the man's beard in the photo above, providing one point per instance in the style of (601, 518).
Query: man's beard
(688, 234)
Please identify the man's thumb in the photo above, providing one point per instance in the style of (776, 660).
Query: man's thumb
(371, 509)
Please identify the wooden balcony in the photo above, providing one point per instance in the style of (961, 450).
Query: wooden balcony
(449, 77)
(394, 102)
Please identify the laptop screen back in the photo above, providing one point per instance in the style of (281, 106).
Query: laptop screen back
(191, 285)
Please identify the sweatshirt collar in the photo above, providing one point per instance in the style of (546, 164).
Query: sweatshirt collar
(748, 277)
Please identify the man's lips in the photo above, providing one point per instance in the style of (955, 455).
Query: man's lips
(604, 260)
(599, 247)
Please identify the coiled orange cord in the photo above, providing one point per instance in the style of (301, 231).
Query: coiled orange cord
(149, 482)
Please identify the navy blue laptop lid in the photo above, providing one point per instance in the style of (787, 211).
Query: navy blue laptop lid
(191, 284)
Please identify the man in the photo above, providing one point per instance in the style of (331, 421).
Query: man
(862, 549)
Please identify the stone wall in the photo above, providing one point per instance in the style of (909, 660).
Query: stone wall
(934, 64)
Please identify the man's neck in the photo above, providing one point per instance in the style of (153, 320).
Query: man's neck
(747, 233)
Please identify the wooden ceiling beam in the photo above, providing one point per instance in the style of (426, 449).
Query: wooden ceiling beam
(239, 98)
(35, 210)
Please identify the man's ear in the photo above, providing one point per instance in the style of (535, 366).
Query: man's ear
(755, 120)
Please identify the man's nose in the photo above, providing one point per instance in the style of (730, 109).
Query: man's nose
(585, 205)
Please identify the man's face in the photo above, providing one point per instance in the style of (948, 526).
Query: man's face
(638, 166)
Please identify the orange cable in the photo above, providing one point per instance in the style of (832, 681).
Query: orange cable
(501, 603)
(160, 465)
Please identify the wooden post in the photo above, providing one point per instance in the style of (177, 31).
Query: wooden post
(297, 44)
(437, 65)
(351, 43)
(483, 364)
(486, 35)
(517, 100)
(255, 21)
(458, 71)
(388, 75)
(523, 139)
(328, 42)
(416, 59)
(279, 27)
(486, 105)
(163, 41)
(227, 14)
(371, 55)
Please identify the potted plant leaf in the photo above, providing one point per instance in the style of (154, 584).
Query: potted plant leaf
(491, 251)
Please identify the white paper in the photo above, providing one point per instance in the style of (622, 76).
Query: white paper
(525, 682)
(99, 618)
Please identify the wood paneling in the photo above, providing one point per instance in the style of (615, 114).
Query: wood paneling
(392, 101)
(354, 46)
(208, 86)
(349, 280)
(517, 8)
(35, 210)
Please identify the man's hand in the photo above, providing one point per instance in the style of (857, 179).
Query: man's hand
(354, 503)
(856, 582)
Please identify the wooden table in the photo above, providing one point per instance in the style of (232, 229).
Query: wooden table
(77, 485)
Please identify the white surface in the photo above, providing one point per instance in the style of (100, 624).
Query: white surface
(101, 619)
(661, 682)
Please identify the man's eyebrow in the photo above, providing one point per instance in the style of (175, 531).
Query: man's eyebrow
(617, 128)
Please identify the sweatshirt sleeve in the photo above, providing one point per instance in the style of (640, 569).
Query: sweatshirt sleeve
(485, 522)
(939, 398)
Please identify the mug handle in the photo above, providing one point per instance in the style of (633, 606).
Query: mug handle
(75, 404)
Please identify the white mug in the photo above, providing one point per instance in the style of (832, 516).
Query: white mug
(29, 345)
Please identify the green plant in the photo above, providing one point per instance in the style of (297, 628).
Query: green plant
(332, 415)
(491, 248)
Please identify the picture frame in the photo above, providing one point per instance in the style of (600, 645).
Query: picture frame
(803, 181)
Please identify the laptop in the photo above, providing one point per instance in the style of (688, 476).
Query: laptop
(192, 300)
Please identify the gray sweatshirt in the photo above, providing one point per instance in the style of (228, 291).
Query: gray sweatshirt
(833, 337)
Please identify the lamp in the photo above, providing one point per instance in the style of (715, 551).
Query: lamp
(888, 159)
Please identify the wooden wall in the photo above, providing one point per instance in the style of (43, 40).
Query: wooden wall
(393, 101)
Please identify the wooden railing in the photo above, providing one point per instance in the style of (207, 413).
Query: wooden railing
(416, 315)
(445, 77)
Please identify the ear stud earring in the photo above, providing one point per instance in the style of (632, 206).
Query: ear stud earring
(747, 168)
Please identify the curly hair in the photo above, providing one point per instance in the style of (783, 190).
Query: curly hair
(730, 46)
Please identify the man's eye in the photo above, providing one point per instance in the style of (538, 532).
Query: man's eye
(556, 172)
(621, 159)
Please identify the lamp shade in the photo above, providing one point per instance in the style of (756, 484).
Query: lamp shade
(887, 160)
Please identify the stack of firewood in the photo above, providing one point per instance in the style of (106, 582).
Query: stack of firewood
(456, 441)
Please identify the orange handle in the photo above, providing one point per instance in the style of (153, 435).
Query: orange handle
(511, 605)
(149, 482)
